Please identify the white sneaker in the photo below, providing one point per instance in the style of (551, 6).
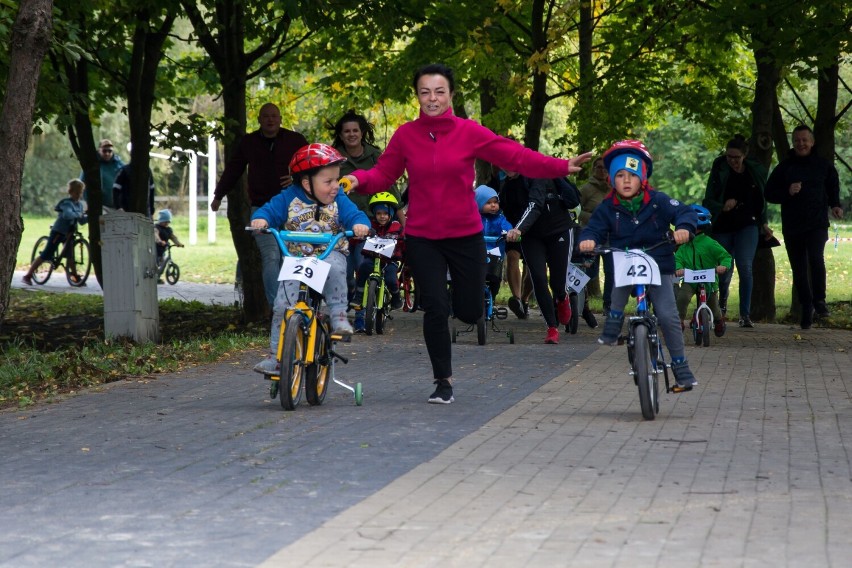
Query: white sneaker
(269, 366)
(341, 326)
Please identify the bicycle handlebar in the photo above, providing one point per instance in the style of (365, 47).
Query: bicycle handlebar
(600, 249)
(283, 237)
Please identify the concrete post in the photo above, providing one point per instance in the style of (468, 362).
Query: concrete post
(130, 277)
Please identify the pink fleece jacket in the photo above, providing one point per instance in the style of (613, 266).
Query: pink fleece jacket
(439, 154)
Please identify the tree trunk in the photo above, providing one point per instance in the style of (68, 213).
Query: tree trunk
(538, 96)
(826, 115)
(765, 100)
(585, 95)
(31, 35)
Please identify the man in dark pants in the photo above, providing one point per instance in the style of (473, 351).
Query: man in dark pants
(806, 186)
(267, 153)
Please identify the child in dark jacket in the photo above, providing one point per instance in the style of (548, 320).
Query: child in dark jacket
(494, 224)
(383, 206)
(634, 216)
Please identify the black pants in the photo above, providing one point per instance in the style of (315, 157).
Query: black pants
(429, 260)
(543, 253)
(807, 252)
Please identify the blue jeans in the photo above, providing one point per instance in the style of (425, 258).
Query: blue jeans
(742, 245)
(270, 260)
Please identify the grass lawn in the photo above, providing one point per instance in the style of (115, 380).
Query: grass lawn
(203, 262)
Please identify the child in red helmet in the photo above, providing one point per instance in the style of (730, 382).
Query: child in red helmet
(313, 203)
(634, 216)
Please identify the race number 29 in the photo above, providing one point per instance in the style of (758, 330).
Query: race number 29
(308, 270)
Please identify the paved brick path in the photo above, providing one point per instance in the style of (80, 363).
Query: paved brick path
(544, 460)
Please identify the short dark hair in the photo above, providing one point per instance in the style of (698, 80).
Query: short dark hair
(802, 127)
(435, 69)
(738, 142)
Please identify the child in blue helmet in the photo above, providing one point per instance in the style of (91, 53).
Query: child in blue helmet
(163, 234)
(494, 224)
(384, 206)
(702, 253)
(634, 216)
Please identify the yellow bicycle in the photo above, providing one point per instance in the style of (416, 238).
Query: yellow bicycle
(306, 353)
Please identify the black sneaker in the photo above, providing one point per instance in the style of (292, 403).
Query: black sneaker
(807, 318)
(443, 392)
(396, 301)
(821, 310)
(746, 322)
(516, 307)
(526, 310)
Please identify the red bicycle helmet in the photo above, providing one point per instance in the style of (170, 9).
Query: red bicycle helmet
(314, 156)
(634, 148)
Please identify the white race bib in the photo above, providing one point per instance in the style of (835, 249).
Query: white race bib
(494, 252)
(635, 267)
(380, 246)
(306, 269)
(576, 279)
(699, 276)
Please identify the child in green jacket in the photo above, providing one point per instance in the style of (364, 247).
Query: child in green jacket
(702, 253)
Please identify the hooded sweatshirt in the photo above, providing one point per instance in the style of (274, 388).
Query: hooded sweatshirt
(439, 154)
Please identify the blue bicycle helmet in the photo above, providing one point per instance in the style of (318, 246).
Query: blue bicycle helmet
(703, 215)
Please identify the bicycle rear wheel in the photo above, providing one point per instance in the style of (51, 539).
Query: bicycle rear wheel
(45, 269)
(292, 363)
(644, 374)
(82, 263)
(318, 373)
(370, 307)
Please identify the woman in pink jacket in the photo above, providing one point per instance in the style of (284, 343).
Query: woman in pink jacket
(443, 227)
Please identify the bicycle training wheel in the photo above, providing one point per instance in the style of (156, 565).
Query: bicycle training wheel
(45, 269)
(704, 318)
(82, 263)
(644, 372)
(292, 364)
(370, 307)
(317, 374)
(172, 273)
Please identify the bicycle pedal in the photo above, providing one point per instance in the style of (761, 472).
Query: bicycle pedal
(501, 313)
(678, 389)
(621, 340)
(340, 337)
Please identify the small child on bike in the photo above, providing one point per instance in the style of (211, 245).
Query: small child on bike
(312, 203)
(702, 253)
(163, 234)
(383, 206)
(71, 212)
(633, 216)
(494, 224)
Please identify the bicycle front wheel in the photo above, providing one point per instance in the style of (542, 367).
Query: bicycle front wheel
(704, 318)
(643, 371)
(81, 263)
(292, 363)
(317, 374)
(172, 273)
(370, 307)
(574, 322)
(45, 269)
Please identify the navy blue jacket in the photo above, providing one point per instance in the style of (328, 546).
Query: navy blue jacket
(612, 223)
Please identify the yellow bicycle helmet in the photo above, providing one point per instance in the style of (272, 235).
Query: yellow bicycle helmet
(387, 200)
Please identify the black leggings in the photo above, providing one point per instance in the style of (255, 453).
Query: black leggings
(429, 260)
(541, 253)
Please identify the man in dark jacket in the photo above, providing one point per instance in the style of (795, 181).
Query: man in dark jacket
(267, 153)
(806, 186)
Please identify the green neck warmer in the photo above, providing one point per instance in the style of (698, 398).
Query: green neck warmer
(632, 204)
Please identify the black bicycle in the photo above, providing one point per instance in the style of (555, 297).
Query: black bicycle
(73, 255)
